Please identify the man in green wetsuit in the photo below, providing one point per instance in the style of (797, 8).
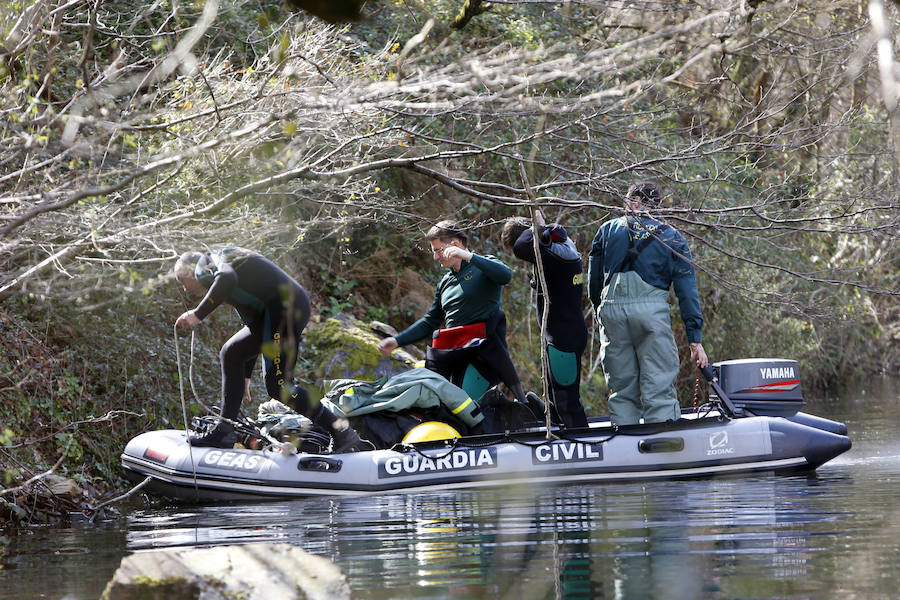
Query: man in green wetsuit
(274, 309)
(471, 348)
(634, 260)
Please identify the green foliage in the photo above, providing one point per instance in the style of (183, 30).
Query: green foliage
(68, 445)
(15, 511)
(75, 365)
(7, 436)
(340, 297)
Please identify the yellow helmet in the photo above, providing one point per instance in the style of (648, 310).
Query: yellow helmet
(430, 431)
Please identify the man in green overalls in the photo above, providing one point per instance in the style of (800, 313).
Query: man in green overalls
(634, 260)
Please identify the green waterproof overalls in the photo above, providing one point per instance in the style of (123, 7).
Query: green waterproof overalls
(637, 351)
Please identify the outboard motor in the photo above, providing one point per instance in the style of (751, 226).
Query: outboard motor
(760, 386)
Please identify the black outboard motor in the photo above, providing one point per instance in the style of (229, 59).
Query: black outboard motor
(760, 386)
(764, 387)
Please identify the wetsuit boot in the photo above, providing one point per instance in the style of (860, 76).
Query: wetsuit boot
(345, 438)
(537, 406)
(519, 394)
(220, 436)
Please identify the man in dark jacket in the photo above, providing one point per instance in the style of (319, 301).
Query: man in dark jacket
(274, 309)
(566, 334)
(634, 260)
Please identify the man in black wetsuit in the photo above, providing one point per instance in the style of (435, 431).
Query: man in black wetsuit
(566, 335)
(274, 309)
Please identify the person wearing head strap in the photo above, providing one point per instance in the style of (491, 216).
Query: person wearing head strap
(634, 261)
(274, 309)
(566, 334)
(465, 323)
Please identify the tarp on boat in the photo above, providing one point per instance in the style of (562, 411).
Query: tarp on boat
(418, 388)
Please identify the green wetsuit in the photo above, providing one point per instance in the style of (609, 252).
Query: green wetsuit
(470, 295)
(566, 334)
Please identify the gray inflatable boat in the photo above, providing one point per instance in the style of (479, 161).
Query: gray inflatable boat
(751, 424)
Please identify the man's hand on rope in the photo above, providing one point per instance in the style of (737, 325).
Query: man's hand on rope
(188, 320)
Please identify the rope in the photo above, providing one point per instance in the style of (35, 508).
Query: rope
(507, 436)
(696, 389)
(190, 372)
(187, 431)
(247, 426)
(542, 288)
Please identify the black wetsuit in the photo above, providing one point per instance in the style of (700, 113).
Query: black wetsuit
(566, 334)
(274, 308)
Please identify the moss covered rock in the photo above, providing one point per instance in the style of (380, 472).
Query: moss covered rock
(263, 571)
(342, 347)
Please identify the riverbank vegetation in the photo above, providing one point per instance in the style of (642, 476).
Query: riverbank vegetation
(134, 131)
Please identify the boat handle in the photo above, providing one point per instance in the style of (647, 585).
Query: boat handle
(673, 444)
(319, 463)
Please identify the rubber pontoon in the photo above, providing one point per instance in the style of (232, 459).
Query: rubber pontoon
(734, 437)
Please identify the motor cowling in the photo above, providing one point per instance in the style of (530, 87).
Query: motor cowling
(761, 386)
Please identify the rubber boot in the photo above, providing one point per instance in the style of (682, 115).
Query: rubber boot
(220, 436)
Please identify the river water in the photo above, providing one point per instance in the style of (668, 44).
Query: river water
(831, 534)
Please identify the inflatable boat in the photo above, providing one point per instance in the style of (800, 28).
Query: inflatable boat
(752, 423)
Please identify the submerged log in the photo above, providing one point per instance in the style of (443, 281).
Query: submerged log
(253, 571)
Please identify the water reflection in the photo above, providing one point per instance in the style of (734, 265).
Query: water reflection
(831, 535)
(676, 539)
